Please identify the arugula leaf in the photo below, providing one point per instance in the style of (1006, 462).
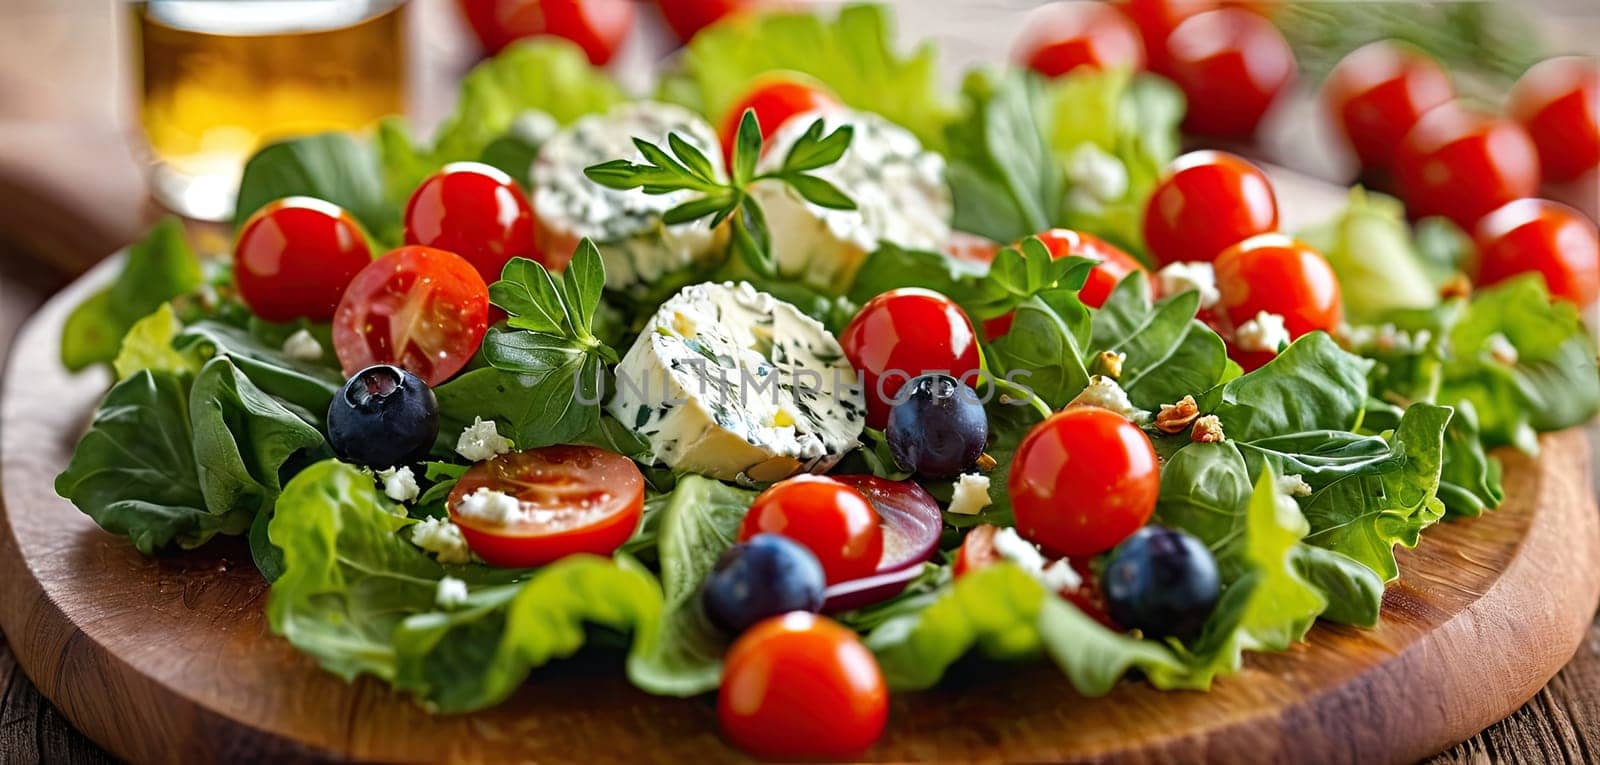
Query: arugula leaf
(1364, 515)
(157, 269)
(1005, 181)
(1312, 385)
(548, 75)
(1370, 248)
(1170, 354)
(334, 167)
(853, 56)
(699, 521)
(174, 458)
(688, 169)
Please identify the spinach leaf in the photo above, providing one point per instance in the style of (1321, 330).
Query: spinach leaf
(698, 523)
(1354, 591)
(1004, 180)
(158, 268)
(305, 388)
(892, 267)
(1169, 353)
(1045, 349)
(1469, 480)
(334, 167)
(1312, 385)
(1205, 488)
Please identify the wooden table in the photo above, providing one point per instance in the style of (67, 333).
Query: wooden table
(74, 189)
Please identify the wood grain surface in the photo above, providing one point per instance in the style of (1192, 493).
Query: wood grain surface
(169, 659)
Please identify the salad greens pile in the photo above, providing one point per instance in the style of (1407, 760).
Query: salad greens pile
(1335, 452)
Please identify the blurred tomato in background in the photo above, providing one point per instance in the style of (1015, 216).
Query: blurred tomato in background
(1062, 36)
(1558, 102)
(687, 17)
(597, 26)
(1377, 93)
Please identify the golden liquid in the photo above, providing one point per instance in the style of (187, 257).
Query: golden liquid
(221, 78)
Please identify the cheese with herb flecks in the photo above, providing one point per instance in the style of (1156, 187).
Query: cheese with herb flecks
(637, 247)
(735, 384)
(898, 187)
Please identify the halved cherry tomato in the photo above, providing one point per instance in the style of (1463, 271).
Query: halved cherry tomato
(1156, 19)
(1061, 36)
(1082, 481)
(475, 211)
(1462, 163)
(575, 499)
(801, 686)
(977, 551)
(831, 519)
(421, 309)
(1378, 92)
(1231, 64)
(1542, 237)
(597, 26)
(687, 17)
(1207, 201)
(1063, 242)
(776, 97)
(295, 256)
(1282, 275)
(904, 333)
(1558, 102)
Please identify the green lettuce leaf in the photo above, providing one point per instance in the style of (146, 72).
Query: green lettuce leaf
(1369, 246)
(157, 269)
(852, 55)
(334, 167)
(149, 345)
(549, 75)
(699, 521)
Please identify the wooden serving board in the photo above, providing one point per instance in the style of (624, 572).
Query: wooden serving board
(170, 659)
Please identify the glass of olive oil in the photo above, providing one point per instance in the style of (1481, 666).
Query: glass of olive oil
(221, 78)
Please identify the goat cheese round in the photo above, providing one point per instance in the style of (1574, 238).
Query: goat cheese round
(899, 189)
(735, 384)
(637, 247)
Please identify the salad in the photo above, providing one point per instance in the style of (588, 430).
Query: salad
(803, 378)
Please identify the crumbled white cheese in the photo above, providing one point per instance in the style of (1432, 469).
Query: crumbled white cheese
(1294, 485)
(1386, 337)
(482, 440)
(1056, 576)
(1501, 349)
(971, 495)
(452, 592)
(1105, 393)
(1097, 178)
(399, 483)
(1178, 278)
(533, 127)
(493, 507)
(1265, 332)
(302, 346)
(442, 539)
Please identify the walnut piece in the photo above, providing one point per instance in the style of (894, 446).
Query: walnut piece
(1207, 430)
(1109, 363)
(1173, 418)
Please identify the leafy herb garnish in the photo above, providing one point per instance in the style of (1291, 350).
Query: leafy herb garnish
(686, 168)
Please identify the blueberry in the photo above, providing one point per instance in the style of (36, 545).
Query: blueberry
(765, 576)
(938, 427)
(1162, 582)
(383, 417)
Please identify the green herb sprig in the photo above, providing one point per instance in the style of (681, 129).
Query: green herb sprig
(686, 168)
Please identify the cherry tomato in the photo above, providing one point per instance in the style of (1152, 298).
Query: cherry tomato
(1207, 201)
(831, 519)
(688, 17)
(574, 499)
(475, 211)
(1062, 242)
(776, 97)
(1088, 596)
(1462, 163)
(1156, 19)
(971, 248)
(801, 686)
(1282, 275)
(905, 333)
(295, 256)
(1231, 64)
(1082, 481)
(418, 308)
(1378, 92)
(597, 26)
(977, 551)
(1061, 36)
(1558, 102)
(1543, 237)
